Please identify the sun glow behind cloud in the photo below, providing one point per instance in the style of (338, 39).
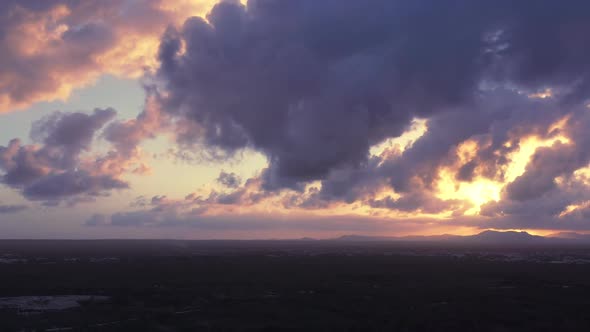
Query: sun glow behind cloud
(573, 208)
(398, 145)
(474, 194)
(482, 190)
(546, 93)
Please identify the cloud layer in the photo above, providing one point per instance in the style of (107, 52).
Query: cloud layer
(331, 92)
(315, 84)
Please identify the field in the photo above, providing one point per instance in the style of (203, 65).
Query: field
(290, 285)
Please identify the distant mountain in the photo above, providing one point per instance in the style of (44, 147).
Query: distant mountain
(505, 237)
(365, 238)
(307, 239)
(485, 237)
(443, 237)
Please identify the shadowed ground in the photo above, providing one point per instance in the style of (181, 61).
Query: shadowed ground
(295, 285)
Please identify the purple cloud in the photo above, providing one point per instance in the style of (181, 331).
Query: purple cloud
(53, 171)
(8, 209)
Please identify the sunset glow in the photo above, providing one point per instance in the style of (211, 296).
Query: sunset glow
(226, 116)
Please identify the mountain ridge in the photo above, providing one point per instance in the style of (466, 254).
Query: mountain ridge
(487, 236)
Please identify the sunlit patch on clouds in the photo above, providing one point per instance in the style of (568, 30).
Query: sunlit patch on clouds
(397, 145)
(481, 190)
(573, 208)
(547, 93)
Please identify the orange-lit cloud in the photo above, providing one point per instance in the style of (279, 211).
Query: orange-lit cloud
(52, 49)
(481, 189)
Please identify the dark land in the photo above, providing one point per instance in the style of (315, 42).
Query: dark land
(349, 284)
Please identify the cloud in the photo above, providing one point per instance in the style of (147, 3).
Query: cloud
(315, 86)
(62, 165)
(126, 137)
(230, 180)
(553, 191)
(550, 163)
(66, 135)
(287, 86)
(51, 47)
(8, 209)
(264, 226)
(97, 220)
(55, 187)
(282, 79)
(63, 137)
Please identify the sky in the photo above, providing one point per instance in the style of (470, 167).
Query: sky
(199, 119)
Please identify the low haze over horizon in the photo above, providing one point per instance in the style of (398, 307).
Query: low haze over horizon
(267, 119)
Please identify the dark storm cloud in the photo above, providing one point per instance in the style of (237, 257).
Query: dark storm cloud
(493, 117)
(545, 43)
(313, 84)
